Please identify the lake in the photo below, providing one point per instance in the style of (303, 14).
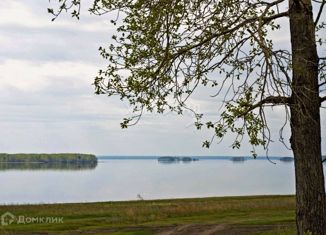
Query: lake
(115, 179)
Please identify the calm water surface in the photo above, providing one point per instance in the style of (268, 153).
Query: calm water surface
(114, 180)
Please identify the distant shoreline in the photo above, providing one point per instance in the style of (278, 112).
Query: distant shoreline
(197, 158)
(47, 158)
(102, 157)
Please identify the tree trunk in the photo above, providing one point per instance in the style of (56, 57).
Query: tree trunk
(305, 122)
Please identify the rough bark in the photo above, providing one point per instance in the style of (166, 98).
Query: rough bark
(305, 122)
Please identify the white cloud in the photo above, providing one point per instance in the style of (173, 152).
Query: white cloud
(34, 14)
(29, 76)
(17, 12)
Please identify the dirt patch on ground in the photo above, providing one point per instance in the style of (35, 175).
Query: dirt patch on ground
(219, 229)
(195, 229)
(189, 229)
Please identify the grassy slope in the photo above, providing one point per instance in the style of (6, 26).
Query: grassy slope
(117, 216)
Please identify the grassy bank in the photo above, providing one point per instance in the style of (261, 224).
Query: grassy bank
(251, 215)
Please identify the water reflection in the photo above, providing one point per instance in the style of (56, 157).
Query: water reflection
(286, 159)
(64, 166)
(238, 159)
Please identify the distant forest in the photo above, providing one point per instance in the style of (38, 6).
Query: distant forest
(48, 158)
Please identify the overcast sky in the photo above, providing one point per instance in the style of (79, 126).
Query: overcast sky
(47, 101)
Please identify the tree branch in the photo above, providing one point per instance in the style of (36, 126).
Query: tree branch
(320, 12)
(322, 99)
(274, 100)
(231, 30)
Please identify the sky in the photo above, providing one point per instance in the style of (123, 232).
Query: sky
(48, 105)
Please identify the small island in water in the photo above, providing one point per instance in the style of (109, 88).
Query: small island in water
(169, 159)
(47, 158)
(64, 161)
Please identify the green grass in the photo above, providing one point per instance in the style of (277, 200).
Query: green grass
(120, 217)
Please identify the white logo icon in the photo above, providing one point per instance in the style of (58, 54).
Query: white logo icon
(7, 219)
